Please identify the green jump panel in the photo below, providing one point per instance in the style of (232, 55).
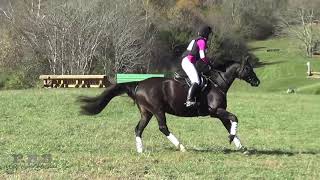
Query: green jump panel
(122, 78)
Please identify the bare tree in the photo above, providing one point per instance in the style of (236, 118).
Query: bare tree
(69, 37)
(301, 24)
(131, 36)
(253, 19)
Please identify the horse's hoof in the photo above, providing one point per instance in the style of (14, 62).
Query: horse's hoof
(182, 148)
(231, 137)
(244, 150)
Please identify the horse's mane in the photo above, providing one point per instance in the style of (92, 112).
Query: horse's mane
(223, 66)
(203, 68)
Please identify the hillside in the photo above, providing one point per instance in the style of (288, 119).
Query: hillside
(282, 69)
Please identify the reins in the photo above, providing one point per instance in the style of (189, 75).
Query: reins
(219, 87)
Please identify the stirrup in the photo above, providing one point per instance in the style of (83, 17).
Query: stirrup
(190, 103)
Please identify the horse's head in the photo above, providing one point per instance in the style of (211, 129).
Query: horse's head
(246, 72)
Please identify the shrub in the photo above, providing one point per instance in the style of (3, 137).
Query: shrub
(227, 47)
(3, 79)
(15, 81)
(18, 80)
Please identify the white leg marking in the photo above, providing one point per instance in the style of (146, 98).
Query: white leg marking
(234, 126)
(237, 142)
(139, 144)
(182, 148)
(173, 139)
(176, 142)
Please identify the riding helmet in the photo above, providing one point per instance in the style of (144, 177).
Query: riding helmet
(204, 31)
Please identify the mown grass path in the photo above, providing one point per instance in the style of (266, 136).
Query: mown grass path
(43, 136)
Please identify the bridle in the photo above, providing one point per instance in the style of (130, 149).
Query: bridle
(248, 78)
(220, 88)
(242, 67)
(225, 84)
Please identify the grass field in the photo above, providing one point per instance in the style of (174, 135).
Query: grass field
(283, 69)
(42, 136)
(286, 68)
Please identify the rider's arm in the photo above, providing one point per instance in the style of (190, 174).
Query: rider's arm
(202, 48)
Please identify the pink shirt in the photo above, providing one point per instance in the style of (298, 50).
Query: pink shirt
(202, 44)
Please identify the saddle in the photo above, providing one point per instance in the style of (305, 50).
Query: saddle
(183, 78)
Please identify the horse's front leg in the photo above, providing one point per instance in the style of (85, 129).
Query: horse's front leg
(230, 122)
(236, 139)
(227, 116)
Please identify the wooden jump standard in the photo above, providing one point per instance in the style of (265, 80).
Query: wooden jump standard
(76, 81)
(312, 74)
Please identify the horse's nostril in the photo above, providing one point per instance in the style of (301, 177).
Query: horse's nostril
(254, 82)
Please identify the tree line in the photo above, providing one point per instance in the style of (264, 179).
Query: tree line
(107, 37)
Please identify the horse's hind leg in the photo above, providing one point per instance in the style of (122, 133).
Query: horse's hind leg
(162, 122)
(145, 118)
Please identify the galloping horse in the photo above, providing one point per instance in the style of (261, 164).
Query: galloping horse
(157, 96)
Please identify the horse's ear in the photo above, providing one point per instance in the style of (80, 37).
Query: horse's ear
(242, 63)
(246, 59)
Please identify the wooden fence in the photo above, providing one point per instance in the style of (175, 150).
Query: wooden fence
(76, 81)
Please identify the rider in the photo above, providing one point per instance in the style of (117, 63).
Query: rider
(195, 51)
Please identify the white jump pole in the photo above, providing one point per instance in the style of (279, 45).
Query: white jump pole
(309, 68)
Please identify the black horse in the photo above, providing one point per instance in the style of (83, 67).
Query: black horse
(157, 96)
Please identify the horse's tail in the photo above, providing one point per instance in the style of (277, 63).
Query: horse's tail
(94, 105)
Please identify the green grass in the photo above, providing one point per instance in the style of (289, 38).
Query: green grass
(280, 130)
(284, 69)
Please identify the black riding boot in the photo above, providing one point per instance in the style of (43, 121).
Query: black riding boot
(191, 93)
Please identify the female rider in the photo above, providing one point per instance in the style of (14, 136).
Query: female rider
(196, 50)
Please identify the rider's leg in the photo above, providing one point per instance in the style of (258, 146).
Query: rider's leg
(191, 94)
(192, 73)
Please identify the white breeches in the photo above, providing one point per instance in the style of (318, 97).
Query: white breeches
(190, 70)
